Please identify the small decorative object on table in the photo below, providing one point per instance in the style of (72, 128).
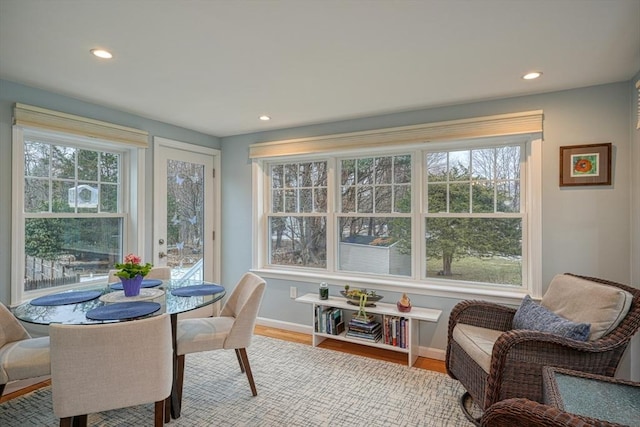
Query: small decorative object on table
(131, 272)
(360, 296)
(404, 305)
(324, 290)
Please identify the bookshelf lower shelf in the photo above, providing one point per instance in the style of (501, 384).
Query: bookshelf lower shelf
(381, 310)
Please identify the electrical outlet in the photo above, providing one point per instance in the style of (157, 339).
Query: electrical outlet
(293, 292)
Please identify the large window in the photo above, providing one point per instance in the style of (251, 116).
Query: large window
(298, 214)
(473, 214)
(374, 219)
(72, 212)
(357, 216)
(449, 208)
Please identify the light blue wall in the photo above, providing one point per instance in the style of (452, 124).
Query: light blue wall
(585, 230)
(10, 93)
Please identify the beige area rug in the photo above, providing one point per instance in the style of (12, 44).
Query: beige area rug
(298, 385)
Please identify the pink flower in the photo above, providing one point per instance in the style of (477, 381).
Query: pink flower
(133, 259)
(132, 267)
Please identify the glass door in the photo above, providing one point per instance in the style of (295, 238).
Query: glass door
(185, 210)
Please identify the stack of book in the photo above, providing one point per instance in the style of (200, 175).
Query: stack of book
(364, 327)
(329, 320)
(395, 331)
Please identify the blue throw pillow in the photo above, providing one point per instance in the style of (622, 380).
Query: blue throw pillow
(535, 317)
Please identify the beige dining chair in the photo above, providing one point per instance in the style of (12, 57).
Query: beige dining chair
(21, 357)
(233, 329)
(101, 367)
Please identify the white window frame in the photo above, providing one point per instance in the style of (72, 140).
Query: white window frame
(133, 184)
(417, 283)
(270, 214)
(525, 125)
(337, 214)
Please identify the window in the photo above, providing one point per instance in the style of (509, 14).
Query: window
(298, 214)
(451, 215)
(72, 216)
(374, 223)
(473, 215)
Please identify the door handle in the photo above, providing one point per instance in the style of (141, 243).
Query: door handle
(161, 255)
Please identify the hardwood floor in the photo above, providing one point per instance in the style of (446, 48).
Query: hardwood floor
(300, 338)
(347, 347)
(25, 390)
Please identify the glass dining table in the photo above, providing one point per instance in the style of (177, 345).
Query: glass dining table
(172, 296)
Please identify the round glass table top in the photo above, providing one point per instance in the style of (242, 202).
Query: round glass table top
(75, 314)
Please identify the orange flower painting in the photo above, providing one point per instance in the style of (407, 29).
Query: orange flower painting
(584, 164)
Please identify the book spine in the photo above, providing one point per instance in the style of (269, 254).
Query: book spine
(394, 333)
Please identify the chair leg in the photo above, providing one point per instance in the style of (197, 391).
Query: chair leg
(158, 420)
(180, 377)
(245, 362)
(239, 360)
(80, 421)
(462, 401)
(167, 409)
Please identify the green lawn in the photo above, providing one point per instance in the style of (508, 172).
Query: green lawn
(475, 269)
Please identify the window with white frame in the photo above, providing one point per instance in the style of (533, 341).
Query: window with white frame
(374, 215)
(473, 214)
(447, 214)
(297, 219)
(72, 217)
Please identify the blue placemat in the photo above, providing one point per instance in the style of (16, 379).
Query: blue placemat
(123, 310)
(197, 290)
(146, 283)
(64, 298)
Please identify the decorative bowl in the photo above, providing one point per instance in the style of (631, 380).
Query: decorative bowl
(355, 300)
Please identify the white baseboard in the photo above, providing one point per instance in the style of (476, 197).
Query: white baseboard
(287, 326)
(431, 353)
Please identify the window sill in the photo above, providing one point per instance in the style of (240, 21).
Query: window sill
(429, 287)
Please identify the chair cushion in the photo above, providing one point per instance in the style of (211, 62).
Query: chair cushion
(584, 301)
(477, 342)
(195, 335)
(535, 317)
(25, 359)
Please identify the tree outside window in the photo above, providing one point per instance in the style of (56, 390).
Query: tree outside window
(473, 223)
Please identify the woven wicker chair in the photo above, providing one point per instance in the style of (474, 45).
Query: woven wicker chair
(527, 413)
(518, 356)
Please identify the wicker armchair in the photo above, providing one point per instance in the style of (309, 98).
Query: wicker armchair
(517, 356)
(527, 413)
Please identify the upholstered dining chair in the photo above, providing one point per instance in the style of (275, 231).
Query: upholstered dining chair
(495, 355)
(233, 329)
(21, 357)
(96, 368)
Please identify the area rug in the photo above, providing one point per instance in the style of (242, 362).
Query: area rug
(298, 385)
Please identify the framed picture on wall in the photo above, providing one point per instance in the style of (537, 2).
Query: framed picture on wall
(585, 165)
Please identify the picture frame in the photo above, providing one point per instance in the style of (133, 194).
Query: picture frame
(588, 164)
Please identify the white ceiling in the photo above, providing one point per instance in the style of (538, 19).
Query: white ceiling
(214, 66)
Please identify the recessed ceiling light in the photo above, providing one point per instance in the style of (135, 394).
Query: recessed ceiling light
(101, 53)
(532, 75)
(265, 118)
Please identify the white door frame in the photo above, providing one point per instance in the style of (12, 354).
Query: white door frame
(212, 209)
